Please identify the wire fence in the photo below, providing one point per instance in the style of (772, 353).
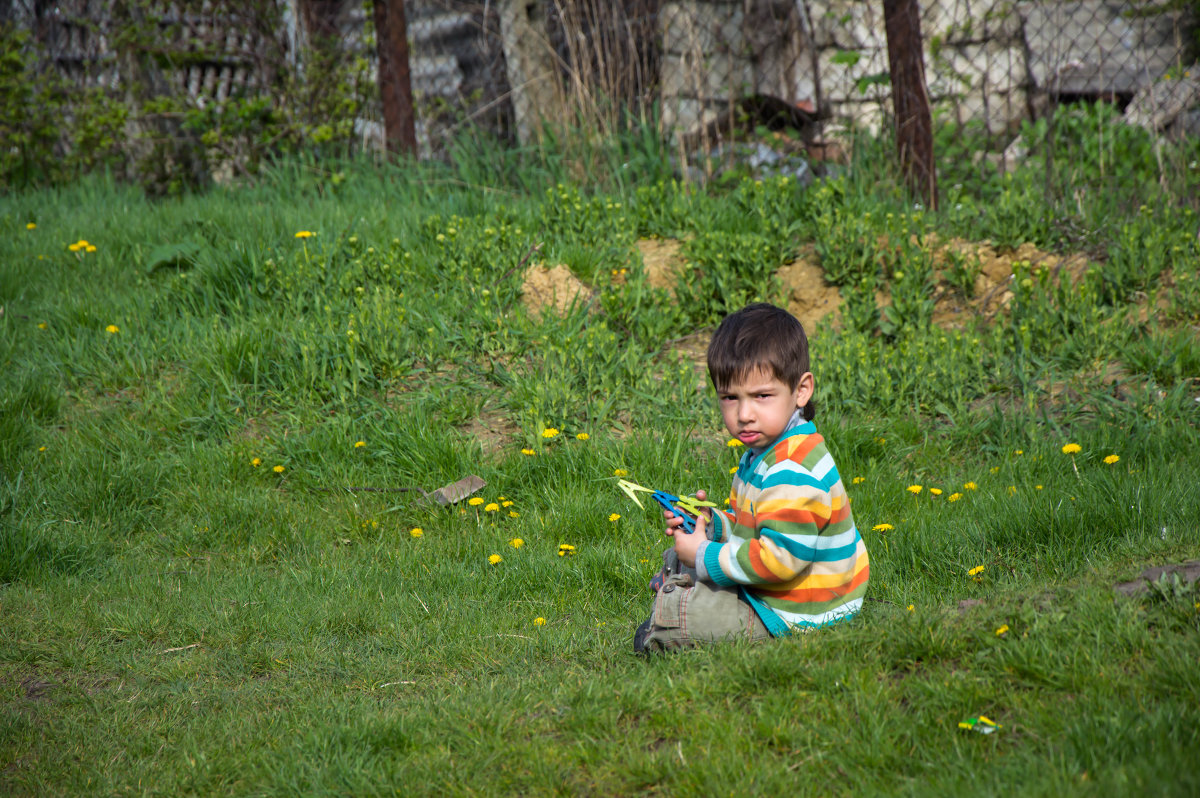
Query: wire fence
(703, 71)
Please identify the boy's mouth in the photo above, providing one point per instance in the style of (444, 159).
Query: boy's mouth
(747, 435)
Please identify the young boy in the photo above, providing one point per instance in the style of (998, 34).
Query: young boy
(786, 556)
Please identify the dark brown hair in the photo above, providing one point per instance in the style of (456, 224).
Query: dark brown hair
(759, 336)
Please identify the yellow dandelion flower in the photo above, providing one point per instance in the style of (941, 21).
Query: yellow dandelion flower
(620, 472)
(30, 226)
(614, 517)
(881, 441)
(911, 608)
(727, 502)
(935, 491)
(583, 436)
(495, 558)
(305, 234)
(256, 462)
(474, 501)
(516, 543)
(1072, 448)
(1037, 487)
(505, 502)
(41, 448)
(1018, 452)
(914, 489)
(1112, 458)
(513, 514)
(976, 571)
(491, 507)
(565, 550)
(112, 329)
(359, 444)
(549, 432)
(969, 486)
(883, 528)
(995, 469)
(278, 469)
(858, 480)
(733, 470)
(42, 325)
(733, 443)
(90, 248)
(528, 452)
(1002, 631)
(953, 497)
(539, 621)
(416, 532)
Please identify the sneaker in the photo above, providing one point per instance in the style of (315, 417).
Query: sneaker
(639, 637)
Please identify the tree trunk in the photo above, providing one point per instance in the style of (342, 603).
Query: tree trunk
(910, 98)
(395, 79)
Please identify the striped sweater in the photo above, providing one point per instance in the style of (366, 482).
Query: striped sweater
(789, 538)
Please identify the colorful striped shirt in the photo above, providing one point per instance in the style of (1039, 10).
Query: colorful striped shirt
(789, 539)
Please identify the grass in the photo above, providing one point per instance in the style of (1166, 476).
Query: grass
(176, 618)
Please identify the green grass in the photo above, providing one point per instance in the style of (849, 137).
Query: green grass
(174, 618)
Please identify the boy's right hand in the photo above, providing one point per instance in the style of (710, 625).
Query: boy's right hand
(674, 521)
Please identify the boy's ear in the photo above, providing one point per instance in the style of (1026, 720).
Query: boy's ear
(804, 389)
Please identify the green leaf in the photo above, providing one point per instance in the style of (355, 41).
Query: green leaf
(175, 256)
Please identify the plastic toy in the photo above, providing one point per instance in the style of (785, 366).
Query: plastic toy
(686, 507)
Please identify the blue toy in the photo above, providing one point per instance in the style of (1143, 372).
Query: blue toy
(686, 507)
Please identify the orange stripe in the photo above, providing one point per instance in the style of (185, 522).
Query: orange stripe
(816, 595)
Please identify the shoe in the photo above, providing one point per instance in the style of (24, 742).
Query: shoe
(639, 637)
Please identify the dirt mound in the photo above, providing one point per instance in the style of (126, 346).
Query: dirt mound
(661, 261)
(554, 288)
(809, 298)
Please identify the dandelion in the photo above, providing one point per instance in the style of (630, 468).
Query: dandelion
(858, 480)
(733, 443)
(278, 469)
(1112, 458)
(911, 608)
(90, 248)
(881, 441)
(256, 462)
(305, 234)
(935, 491)
(528, 452)
(620, 472)
(733, 470)
(493, 559)
(1002, 631)
(112, 329)
(583, 436)
(566, 550)
(516, 543)
(491, 507)
(953, 497)
(1019, 452)
(1037, 487)
(539, 621)
(976, 571)
(995, 469)
(41, 448)
(883, 528)
(549, 432)
(30, 226)
(1012, 490)
(505, 502)
(474, 501)
(42, 325)
(1072, 448)
(969, 486)
(416, 532)
(914, 489)
(615, 517)
(513, 514)
(359, 444)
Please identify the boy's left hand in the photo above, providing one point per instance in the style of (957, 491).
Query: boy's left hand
(687, 544)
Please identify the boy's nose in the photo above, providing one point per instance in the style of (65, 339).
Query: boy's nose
(745, 411)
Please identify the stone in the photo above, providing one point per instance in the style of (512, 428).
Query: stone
(1156, 106)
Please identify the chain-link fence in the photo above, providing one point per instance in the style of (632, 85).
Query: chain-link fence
(701, 70)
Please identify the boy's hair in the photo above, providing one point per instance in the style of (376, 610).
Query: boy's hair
(759, 336)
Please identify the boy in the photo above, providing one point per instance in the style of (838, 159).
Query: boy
(786, 556)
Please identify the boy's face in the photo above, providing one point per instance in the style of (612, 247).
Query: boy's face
(756, 409)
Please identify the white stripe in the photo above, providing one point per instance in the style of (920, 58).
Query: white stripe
(803, 621)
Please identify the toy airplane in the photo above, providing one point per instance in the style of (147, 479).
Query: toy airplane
(686, 507)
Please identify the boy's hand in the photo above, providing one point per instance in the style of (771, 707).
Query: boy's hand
(686, 545)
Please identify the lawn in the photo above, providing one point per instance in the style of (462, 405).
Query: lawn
(220, 414)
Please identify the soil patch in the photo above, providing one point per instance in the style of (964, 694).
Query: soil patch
(1187, 573)
(809, 297)
(555, 288)
(661, 261)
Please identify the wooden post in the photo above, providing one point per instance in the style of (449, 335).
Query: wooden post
(395, 79)
(910, 98)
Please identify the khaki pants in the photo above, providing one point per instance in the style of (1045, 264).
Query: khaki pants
(688, 613)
